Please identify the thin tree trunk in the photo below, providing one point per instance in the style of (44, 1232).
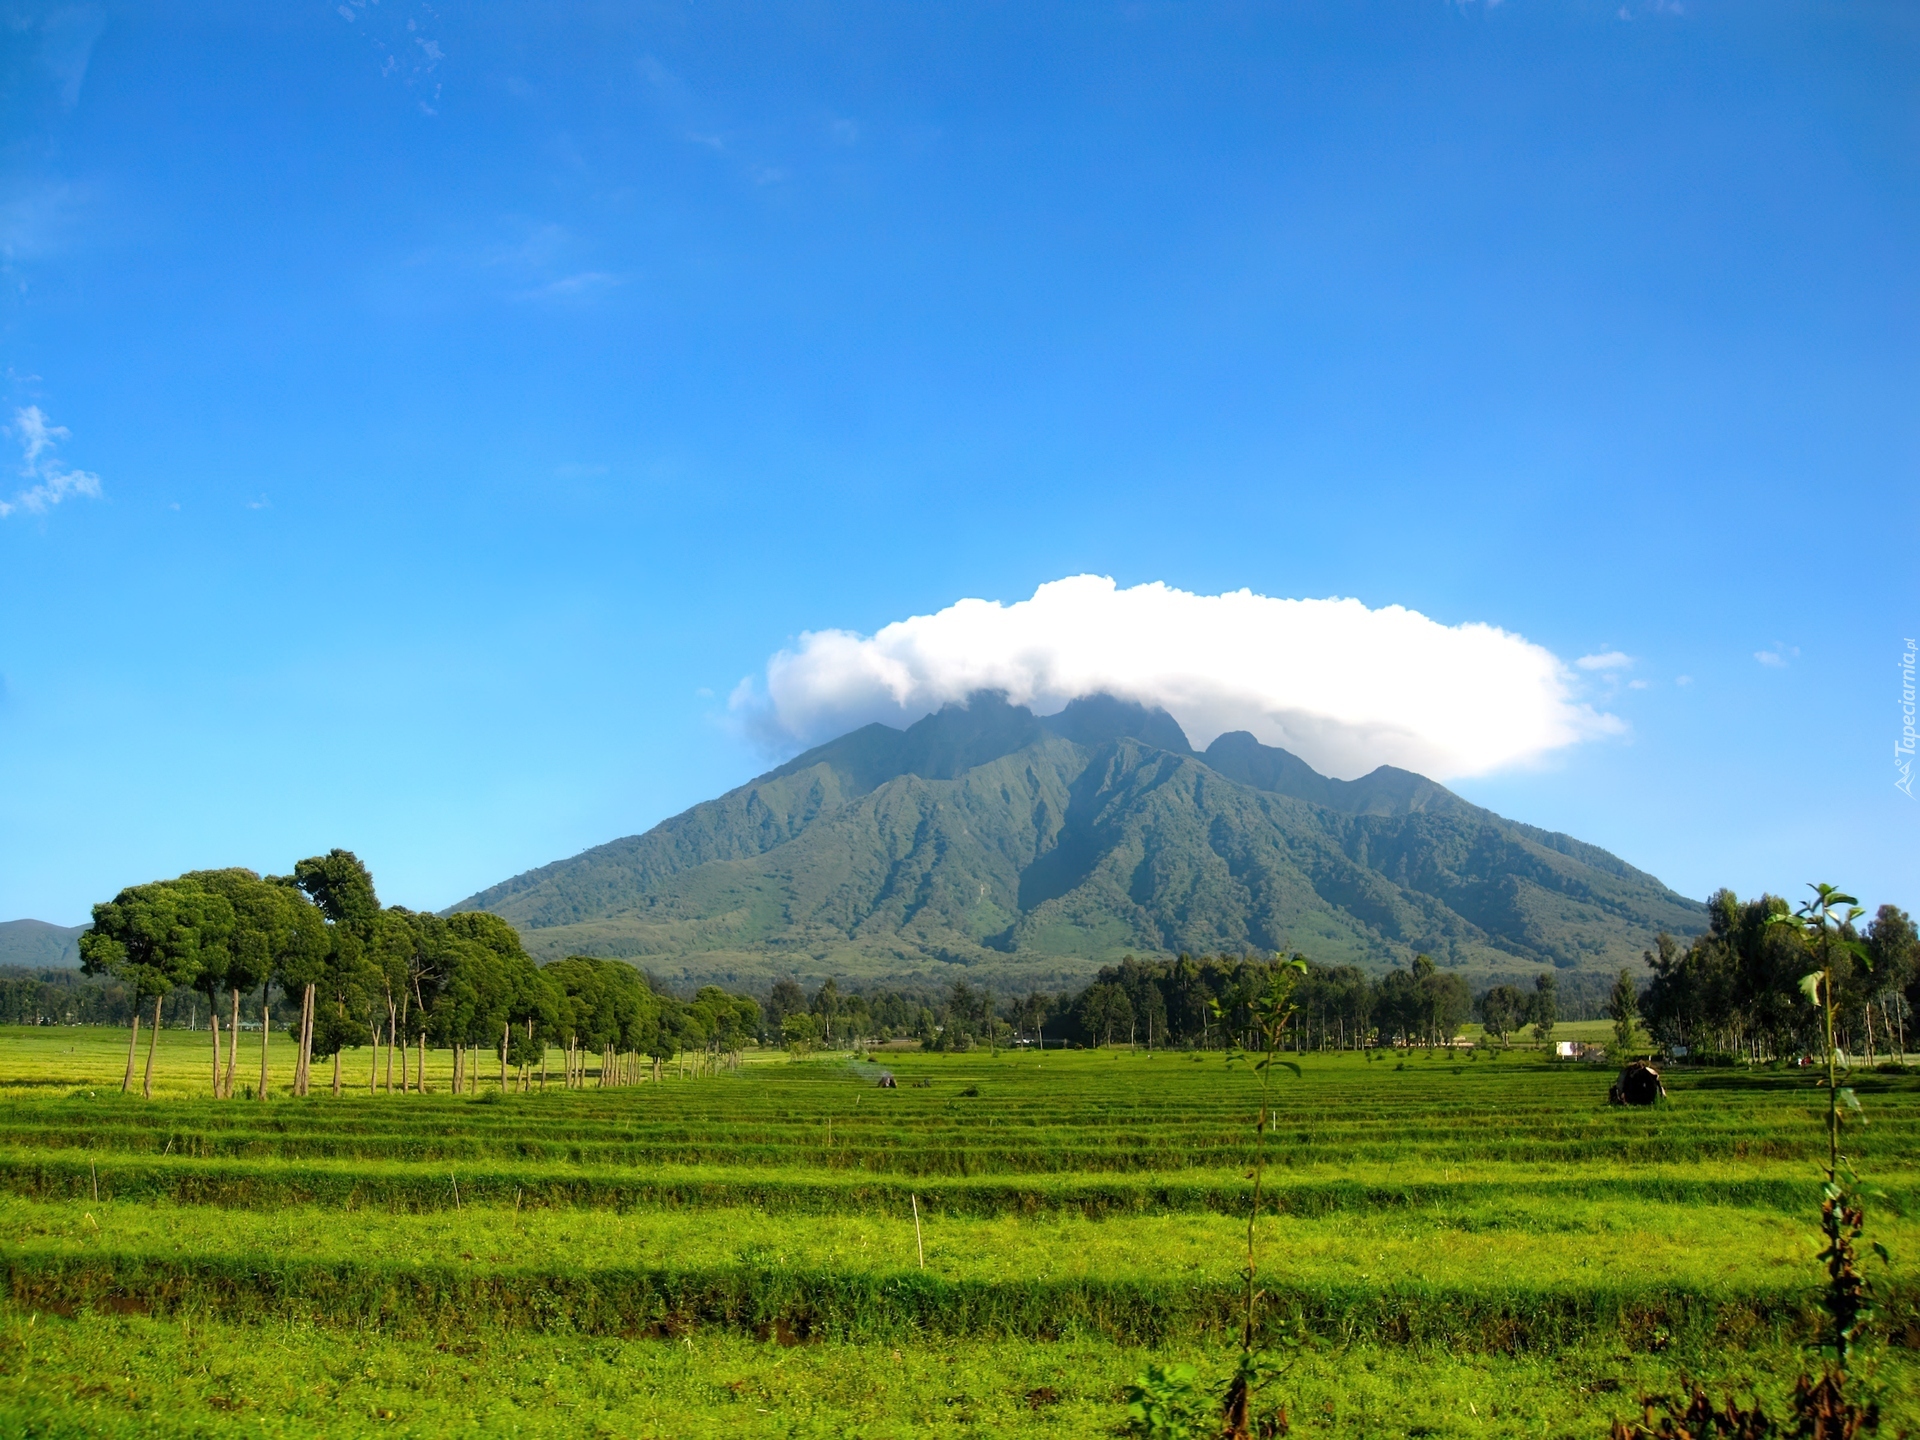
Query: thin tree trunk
(373, 1071)
(306, 1043)
(300, 1048)
(506, 1031)
(404, 998)
(336, 1074)
(391, 1022)
(420, 1075)
(133, 1048)
(233, 1043)
(153, 1038)
(213, 1026)
(266, 1030)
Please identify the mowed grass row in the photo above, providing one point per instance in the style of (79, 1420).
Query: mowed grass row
(1555, 1277)
(113, 1375)
(1485, 1196)
(909, 1151)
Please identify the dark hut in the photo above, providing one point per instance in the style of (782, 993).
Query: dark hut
(1639, 1084)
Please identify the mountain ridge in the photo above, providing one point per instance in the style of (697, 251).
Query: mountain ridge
(40, 945)
(1029, 848)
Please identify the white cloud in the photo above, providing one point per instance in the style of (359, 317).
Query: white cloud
(1606, 660)
(49, 482)
(1778, 657)
(1344, 687)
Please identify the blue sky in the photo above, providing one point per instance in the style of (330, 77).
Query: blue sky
(476, 394)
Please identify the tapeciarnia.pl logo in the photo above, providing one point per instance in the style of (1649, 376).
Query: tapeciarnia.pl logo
(1903, 747)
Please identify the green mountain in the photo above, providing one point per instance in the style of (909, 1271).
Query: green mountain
(1013, 849)
(37, 945)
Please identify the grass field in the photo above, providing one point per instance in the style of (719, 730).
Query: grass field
(1470, 1246)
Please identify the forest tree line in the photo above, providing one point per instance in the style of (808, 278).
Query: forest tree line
(355, 973)
(1189, 1002)
(1736, 990)
(1733, 991)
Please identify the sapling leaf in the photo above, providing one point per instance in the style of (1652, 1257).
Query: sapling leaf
(1810, 986)
(1881, 1251)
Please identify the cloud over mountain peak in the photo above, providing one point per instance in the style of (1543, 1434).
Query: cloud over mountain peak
(1345, 687)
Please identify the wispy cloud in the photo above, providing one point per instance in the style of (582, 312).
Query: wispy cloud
(698, 123)
(67, 36)
(1605, 660)
(1779, 657)
(586, 282)
(542, 262)
(40, 219)
(48, 480)
(407, 53)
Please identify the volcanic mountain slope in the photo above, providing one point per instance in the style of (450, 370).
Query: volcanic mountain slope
(36, 945)
(987, 842)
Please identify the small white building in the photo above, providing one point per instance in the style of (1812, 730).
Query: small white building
(1578, 1050)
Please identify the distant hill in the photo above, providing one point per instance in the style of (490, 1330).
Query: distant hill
(36, 945)
(987, 842)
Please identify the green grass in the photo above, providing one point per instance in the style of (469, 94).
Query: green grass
(1475, 1245)
(110, 1375)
